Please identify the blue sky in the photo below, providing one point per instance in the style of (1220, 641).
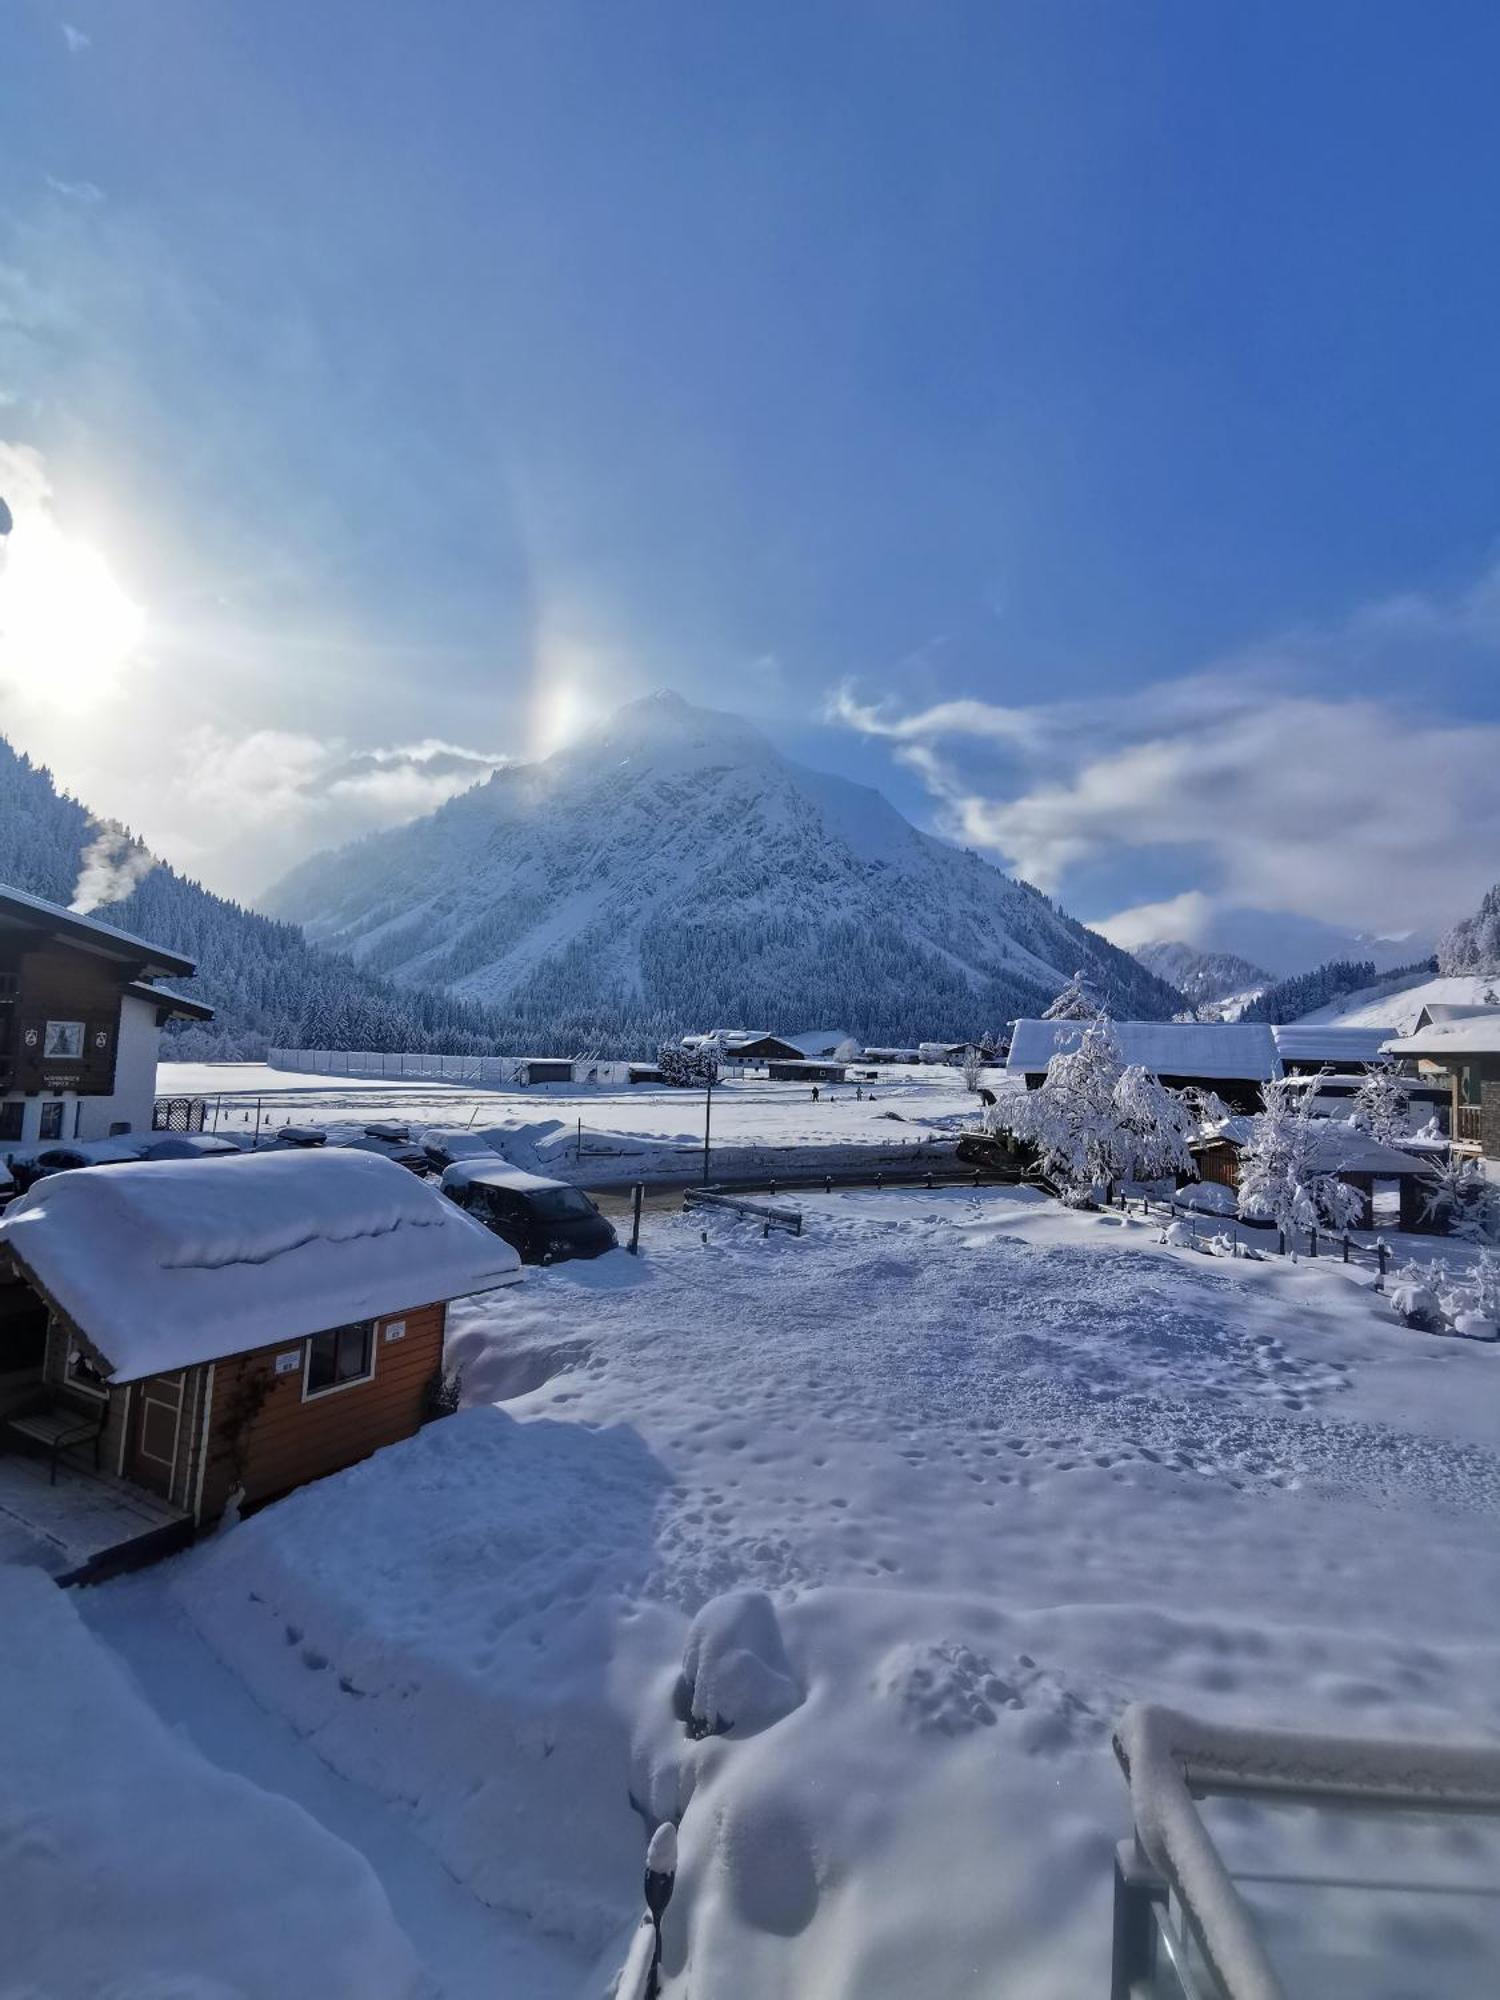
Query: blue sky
(436, 375)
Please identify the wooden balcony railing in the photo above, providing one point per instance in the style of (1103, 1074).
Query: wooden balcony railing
(1466, 1123)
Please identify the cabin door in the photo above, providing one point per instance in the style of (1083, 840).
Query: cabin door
(155, 1428)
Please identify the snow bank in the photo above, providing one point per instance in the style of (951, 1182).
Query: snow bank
(128, 1864)
(446, 1624)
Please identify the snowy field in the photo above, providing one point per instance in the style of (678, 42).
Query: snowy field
(592, 1133)
(998, 1468)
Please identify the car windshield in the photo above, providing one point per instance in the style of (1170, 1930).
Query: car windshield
(561, 1204)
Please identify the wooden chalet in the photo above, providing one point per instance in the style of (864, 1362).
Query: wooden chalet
(237, 1326)
(1463, 1049)
(79, 1022)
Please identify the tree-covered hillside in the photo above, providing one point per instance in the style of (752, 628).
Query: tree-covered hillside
(266, 984)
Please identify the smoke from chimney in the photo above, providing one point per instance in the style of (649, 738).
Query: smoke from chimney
(109, 868)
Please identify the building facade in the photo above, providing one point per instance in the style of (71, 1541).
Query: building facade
(79, 1023)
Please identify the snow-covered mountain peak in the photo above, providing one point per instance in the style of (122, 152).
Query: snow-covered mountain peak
(668, 731)
(670, 869)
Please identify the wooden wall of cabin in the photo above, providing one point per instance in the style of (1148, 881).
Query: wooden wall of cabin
(266, 1435)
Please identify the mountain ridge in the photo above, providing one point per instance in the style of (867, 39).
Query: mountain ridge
(672, 868)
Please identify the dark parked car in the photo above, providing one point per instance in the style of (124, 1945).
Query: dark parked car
(405, 1152)
(544, 1221)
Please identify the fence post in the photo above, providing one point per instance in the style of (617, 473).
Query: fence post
(828, 1183)
(1281, 1242)
(1312, 1243)
(1381, 1254)
(1346, 1246)
(637, 1195)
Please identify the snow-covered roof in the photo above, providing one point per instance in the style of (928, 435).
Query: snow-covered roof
(162, 1264)
(481, 1173)
(1337, 1148)
(819, 1041)
(1227, 1049)
(1450, 1010)
(1318, 1041)
(19, 907)
(168, 1001)
(1471, 1035)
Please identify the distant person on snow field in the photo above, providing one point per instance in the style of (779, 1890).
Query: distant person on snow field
(815, 1093)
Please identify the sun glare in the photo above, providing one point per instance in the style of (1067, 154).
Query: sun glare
(66, 626)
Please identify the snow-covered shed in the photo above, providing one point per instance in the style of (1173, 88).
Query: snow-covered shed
(1314, 1045)
(1233, 1058)
(1338, 1149)
(249, 1322)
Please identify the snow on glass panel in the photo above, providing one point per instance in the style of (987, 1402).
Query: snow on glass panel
(341, 1355)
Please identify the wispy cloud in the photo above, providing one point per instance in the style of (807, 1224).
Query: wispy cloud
(84, 191)
(75, 38)
(1260, 776)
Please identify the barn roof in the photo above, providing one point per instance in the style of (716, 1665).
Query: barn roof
(162, 1264)
(1318, 1041)
(1471, 1035)
(1227, 1050)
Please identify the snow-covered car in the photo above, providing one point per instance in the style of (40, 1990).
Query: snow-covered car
(444, 1145)
(67, 1157)
(300, 1135)
(187, 1146)
(545, 1221)
(1207, 1198)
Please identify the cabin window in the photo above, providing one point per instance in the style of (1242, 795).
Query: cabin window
(50, 1125)
(63, 1041)
(12, 1118)
(340, 1358)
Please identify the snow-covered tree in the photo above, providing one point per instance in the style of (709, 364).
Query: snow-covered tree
(973, 1069)
(1280, 1180)
(697, 1066)
(1461, 1194)
(1161, 1120)
(1093, 1121)
(1078, 1001)
(848, 1050)
(1382, 1106)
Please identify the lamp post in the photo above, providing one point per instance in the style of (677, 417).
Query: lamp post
(708, 1115)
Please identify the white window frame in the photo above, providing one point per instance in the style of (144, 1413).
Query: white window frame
(355, 1381)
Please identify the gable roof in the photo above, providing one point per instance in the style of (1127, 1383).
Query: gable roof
(819, 1041)
(1318, 1041)
(1469, 1035)
(162, 1264)
(1230, 1050)
(22, 911)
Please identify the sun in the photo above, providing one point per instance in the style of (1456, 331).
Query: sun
(67, 627)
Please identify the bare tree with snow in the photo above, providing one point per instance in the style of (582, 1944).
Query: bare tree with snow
(1460, 1194)
(1280, 1180)
(1382, 1107)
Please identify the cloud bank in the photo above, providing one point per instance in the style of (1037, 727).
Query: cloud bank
(1259, 779)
